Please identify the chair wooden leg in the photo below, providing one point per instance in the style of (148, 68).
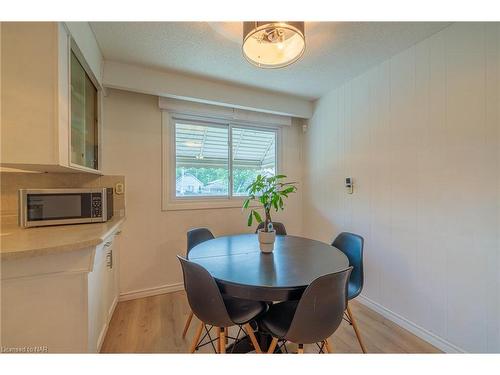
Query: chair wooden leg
(188, 323)
(222, 341)
(218, 339)
(328, 346)
(253, 339)
(196, 337)
(356, 330)
(300, 349)
(325, 348)
(272, 346)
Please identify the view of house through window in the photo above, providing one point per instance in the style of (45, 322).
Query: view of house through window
(205, 161)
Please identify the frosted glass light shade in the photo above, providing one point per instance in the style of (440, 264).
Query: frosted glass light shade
(273, 44)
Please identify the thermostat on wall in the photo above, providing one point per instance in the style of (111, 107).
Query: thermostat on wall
(349, 185)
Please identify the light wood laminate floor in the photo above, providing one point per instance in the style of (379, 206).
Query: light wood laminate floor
(154, 325)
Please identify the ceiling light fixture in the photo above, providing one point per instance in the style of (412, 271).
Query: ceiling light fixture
(273, 44)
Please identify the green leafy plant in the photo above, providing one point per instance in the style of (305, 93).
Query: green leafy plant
(269, 192)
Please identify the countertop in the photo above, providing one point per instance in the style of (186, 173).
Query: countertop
(17, 242)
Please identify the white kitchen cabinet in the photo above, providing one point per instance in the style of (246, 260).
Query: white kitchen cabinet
(50, 101)
(60, 298)
(103, 291)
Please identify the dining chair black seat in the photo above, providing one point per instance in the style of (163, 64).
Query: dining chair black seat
(352, 246)
(196, 236)
(312, 319)
(279, 317)
(278, 227)
(242, 311)
(207, 303)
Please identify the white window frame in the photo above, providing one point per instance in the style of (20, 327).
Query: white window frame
(170, 202)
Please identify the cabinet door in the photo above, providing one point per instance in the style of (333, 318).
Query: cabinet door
(97, 318)
(84, 117)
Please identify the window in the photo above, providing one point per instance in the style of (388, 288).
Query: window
(254, 152)
(220, 160)
(201, 160)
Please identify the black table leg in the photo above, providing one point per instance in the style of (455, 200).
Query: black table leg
(244, 345)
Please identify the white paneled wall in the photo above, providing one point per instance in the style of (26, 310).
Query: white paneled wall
(420, 135)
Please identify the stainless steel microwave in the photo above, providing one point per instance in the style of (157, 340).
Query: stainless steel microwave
(41, 207)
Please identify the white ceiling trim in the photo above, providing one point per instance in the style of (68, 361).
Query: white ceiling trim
(181, 86)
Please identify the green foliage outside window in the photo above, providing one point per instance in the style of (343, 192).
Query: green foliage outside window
(242, 177)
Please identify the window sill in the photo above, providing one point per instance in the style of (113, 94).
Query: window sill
(205, 204)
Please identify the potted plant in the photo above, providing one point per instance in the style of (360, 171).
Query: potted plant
(269, 191)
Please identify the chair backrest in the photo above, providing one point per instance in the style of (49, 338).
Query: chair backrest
(203, 295)
(320, 309)
(278, 227)
(352, 246)
(196, 236)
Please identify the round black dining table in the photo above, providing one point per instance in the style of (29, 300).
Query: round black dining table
(242, 270)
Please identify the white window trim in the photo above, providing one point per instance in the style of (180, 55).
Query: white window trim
(172, 203)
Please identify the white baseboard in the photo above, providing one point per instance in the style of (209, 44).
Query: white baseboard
(148, 292)
(424, 334)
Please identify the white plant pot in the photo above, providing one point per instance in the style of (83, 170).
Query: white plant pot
(266, 240)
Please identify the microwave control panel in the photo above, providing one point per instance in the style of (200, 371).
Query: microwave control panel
(96, 205)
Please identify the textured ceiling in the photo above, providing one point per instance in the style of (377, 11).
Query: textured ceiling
(335, 51)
